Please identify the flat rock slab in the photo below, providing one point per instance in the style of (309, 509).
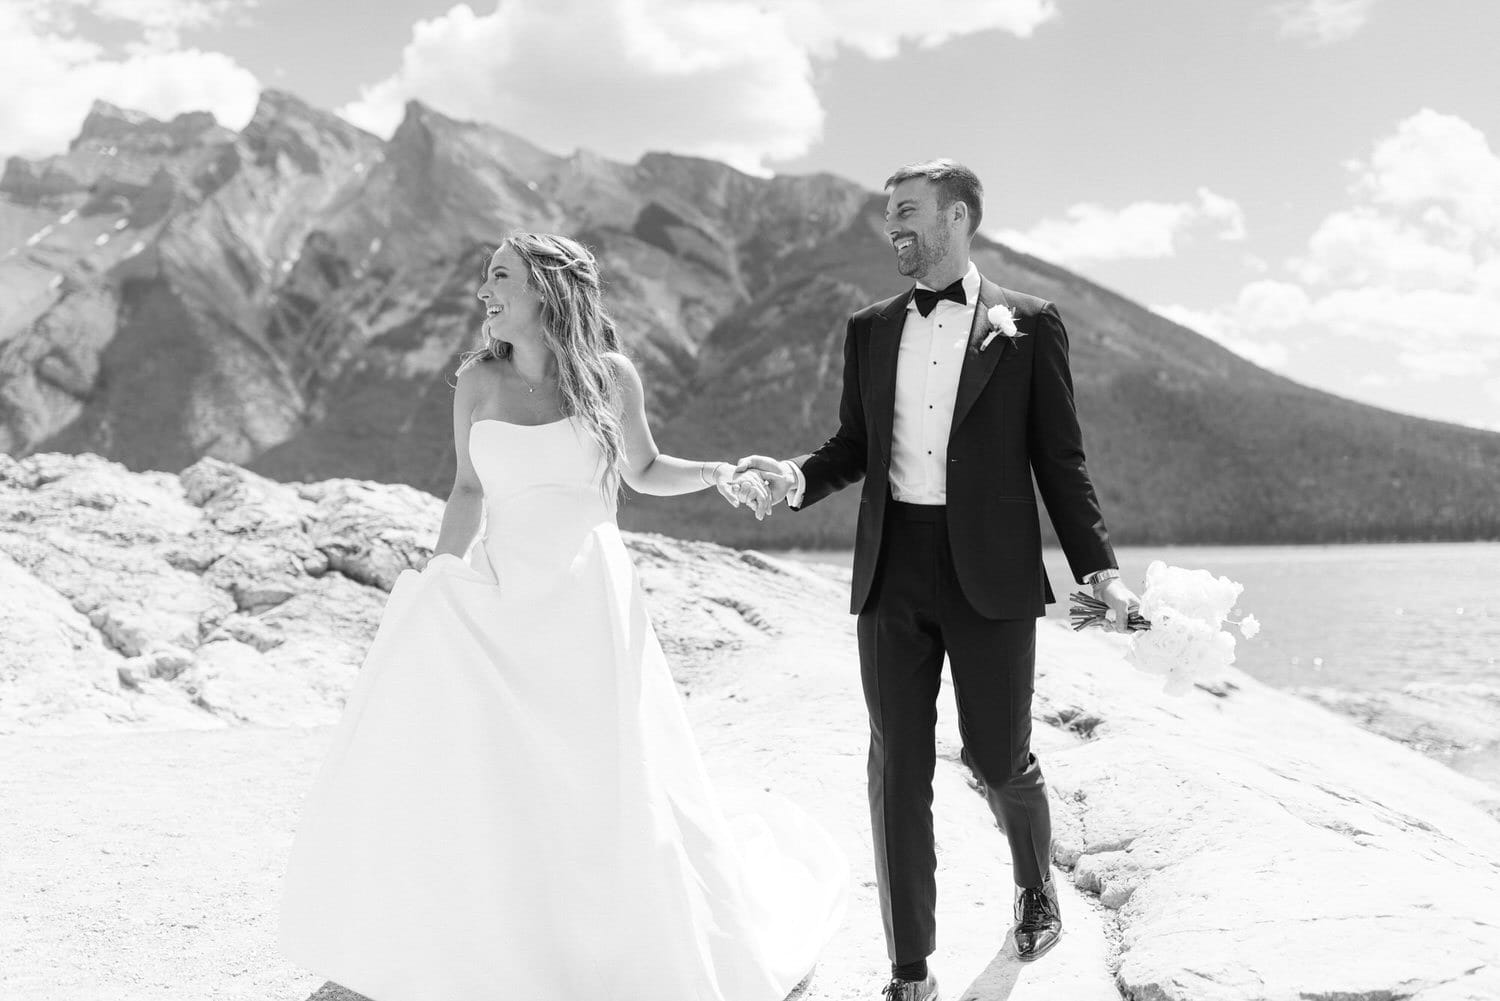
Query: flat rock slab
(1259, 846)
(147, 864)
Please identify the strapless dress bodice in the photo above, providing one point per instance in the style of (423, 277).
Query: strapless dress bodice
(543, 499)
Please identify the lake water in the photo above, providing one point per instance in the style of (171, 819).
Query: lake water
(1358, 618)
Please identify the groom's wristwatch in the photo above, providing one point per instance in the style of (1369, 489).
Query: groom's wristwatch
(1098, 578)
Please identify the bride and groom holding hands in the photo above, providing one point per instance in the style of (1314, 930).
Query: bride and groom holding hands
(513, 802)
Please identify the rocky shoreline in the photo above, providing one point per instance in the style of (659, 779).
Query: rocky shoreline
(1235, 843)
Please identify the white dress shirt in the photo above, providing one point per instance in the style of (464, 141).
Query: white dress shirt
(927, 367)
(928, 363)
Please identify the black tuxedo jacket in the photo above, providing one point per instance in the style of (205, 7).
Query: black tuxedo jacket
(1013, 417)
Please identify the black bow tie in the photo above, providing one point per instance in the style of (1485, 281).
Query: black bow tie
(926, 298)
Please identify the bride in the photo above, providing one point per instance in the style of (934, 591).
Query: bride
(512, 803)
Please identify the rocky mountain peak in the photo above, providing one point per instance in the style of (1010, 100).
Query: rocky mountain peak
(658, 161)
(107, 121)
(585, 167)
(285, 124)
(696, 176)
(417, 119)
(118, 150)
(413, 138)
(282, 109)
(423, 128)
(461, 171)
(110, 125)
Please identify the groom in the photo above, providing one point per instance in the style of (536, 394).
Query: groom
(956, 392)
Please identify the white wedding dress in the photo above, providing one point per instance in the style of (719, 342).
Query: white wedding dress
(513, 804)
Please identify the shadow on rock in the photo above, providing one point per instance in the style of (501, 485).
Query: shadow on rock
(997, 981)
(331, 991)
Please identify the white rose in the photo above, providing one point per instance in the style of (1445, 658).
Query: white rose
(1001, 319)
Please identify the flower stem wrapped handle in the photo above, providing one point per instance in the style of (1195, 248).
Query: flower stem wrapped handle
(1088, 610)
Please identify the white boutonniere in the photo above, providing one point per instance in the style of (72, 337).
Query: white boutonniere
(1002, 324)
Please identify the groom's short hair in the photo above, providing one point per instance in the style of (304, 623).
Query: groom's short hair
(955, 183)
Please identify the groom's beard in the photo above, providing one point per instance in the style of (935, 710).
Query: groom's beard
(919, 261)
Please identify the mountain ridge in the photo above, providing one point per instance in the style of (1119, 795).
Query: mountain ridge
(293, 297)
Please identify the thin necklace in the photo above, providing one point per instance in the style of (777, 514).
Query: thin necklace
(529, 387)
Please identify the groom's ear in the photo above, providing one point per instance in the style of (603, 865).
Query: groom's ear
(958, 212)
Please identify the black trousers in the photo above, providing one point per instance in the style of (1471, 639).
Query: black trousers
(916, 614)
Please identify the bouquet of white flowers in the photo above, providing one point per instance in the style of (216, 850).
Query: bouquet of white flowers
(1179, 632)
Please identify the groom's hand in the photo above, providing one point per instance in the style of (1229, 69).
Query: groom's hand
(1122, 601)
(775, 476)
(748, 488)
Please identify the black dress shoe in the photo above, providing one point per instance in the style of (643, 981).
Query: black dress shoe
(925, 989)
(1038, 921)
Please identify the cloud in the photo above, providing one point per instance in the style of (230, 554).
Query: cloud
(728, 79)
(879, 27)
(1439, 166)
(1423, 319)
(1322, 22)
(161, 21)
(1435, 365)
(53, 77)
(718, 80)
(1402, 284)
(1364, 244)
(1141, 230)
(1415, 259)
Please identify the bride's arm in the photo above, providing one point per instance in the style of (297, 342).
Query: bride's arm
(465, 501)
(646, 470)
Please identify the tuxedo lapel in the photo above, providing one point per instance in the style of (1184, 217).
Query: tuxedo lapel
(885, 343)
(978, 365)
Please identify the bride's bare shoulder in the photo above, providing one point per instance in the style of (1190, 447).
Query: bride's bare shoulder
(620, 364)
(477, 379)
(481, 370)
(627, 381)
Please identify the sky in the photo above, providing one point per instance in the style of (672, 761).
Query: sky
(1313, 183)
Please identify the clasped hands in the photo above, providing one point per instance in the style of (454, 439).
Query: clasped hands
(758, 482)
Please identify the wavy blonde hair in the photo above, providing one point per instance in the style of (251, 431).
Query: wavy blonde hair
(575, 326)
